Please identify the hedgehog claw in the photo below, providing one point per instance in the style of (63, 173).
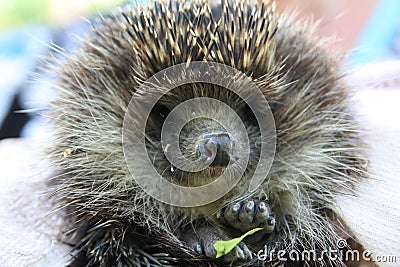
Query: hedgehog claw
(247, 215)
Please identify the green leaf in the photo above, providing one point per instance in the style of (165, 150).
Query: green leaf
(224, 247)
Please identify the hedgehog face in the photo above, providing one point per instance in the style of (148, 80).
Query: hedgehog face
(213, 142)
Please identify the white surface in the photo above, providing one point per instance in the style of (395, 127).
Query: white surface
(374, 216)
(28, 235)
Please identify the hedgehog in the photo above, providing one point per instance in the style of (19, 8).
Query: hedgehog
(112, 221)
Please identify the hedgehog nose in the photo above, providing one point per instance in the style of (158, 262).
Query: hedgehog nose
(217, 149)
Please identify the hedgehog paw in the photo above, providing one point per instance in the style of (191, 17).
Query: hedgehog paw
(246, 215)
(202, 241)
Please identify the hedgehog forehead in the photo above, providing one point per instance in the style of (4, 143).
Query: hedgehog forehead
(199, 127)
(201, 90)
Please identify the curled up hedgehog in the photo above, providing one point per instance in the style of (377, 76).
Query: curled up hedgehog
(112, 221)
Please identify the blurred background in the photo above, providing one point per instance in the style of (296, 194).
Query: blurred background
(366, 31)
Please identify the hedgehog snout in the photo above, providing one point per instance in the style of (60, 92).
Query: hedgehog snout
(217, 149)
